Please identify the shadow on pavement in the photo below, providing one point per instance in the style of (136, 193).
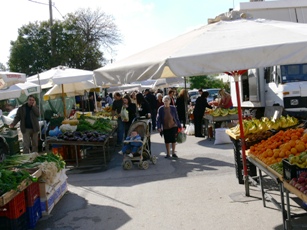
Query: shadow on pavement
(68, 215)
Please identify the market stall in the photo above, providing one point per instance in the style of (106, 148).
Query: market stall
(212, 116)
(75, 138)
(31, 186)
(277, 148)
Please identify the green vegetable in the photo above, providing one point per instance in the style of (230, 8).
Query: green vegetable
(50, 157)
(10, 180)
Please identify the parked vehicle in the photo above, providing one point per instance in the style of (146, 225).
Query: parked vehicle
(284, 85)
(193, 94)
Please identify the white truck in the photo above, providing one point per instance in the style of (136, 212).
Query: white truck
(277, 85)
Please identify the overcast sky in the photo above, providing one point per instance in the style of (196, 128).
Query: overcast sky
(143, 23)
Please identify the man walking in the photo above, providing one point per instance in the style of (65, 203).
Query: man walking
(28, 115)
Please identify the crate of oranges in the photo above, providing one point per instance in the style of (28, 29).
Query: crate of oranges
(280, 146)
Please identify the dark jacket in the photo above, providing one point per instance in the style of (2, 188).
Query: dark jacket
(160, 116)
(21, 116)
(200, 106)
(152, 100)
(132, 112)
(181, 110)
(145, 108)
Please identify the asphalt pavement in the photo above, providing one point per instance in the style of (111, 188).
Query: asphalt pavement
(195, 192)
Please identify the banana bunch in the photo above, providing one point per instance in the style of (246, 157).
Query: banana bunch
(233, 111)
(107, 109)
(255, 125)
(223, 112)
(216, 112)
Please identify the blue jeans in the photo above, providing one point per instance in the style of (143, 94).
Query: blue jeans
(120, 131)
(133, 149)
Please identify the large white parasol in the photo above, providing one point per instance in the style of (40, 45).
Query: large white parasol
(224, 46)
(8, 79)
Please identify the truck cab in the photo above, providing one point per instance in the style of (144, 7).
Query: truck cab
(284, 85)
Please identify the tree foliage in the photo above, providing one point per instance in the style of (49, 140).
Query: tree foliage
(206, 82)
(76, 42)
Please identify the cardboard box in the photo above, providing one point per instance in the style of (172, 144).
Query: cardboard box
(48, 202)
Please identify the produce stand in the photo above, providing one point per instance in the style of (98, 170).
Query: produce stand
(284, 188)
(212, 119)
(8, 196)
(104, 144)
(252, 171)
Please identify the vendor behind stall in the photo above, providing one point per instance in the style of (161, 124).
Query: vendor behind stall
(225, 101)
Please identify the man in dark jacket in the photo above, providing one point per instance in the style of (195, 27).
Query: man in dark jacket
(199, 110)
(28, 115)
(152, 100)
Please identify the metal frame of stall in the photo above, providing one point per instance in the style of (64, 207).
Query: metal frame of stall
(104, 145)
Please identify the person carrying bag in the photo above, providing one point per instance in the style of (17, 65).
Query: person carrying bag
(124, 114)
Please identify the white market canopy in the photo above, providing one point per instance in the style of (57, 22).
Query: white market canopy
(16, 91)
(61, 75)
(214, 48)
(70, 90)
(8, 79)
(160, 83)
(125, 88)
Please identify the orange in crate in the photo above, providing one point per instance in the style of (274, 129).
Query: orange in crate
(60, 151)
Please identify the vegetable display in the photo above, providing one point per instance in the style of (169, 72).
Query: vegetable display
(98, 124)
(11, 179)
(16, 168)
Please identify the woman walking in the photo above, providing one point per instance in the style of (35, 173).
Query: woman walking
(168, 124)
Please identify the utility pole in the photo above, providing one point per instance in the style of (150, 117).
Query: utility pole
(51, 30)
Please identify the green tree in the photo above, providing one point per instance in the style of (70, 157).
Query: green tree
(78, 42)
(206, 82)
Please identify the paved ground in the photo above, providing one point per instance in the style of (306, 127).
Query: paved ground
(198, 191)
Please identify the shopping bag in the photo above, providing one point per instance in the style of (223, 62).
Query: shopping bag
(190, 130)
(124, 114)
(181, 137)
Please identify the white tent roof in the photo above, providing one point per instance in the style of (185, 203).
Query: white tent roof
(15, 91)
(214, 48)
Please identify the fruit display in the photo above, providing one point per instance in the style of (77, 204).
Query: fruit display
(264, 124)
(300, 183)
(278, 167)
(105, 112)
(300, 160)
(280, 146)
(222, 112)
(258, 136)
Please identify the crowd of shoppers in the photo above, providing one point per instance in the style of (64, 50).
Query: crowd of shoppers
(168, 112)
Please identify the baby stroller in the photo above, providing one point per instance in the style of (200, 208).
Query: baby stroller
(143, 156)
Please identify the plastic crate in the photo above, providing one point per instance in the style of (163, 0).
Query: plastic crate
(15, 208)
(31, 194)
(34, 213)
(19, 223)
(291, 171)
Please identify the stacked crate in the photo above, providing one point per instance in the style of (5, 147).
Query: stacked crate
(13, 214)
(33, 207)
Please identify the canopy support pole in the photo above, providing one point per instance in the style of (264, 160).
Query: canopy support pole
(245, 172)
(63, 99)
